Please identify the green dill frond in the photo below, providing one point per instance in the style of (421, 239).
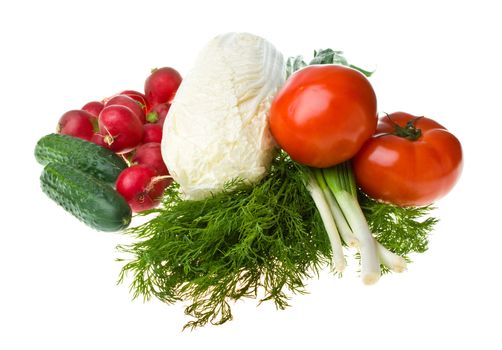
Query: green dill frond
(402, 230)
(209, 253)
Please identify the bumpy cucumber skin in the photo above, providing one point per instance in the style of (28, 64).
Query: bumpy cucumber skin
(86, 156)
(90, 200)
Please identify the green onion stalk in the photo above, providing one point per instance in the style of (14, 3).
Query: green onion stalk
(334, 192)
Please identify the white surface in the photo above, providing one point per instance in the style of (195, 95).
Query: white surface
(57, 277)
(217, 127)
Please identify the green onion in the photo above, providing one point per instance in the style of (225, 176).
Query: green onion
(339, 195)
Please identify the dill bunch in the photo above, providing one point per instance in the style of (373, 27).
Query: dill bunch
(247, 238)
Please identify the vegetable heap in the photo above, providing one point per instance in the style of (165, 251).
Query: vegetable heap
(239, 217)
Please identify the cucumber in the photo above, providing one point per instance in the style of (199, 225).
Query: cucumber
(90, 200)
(86, 156)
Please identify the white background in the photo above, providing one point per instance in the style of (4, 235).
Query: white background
(57, 277)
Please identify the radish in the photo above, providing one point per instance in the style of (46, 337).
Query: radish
(150, 154)
(152, 133)
(158, 113)
(161, 85)
(140, 187)
(138, 97)
(76, 123)
(126, 101)
(94, 107)
(122, 128)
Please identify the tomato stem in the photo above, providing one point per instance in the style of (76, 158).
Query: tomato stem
(409, 131)
(365, 72)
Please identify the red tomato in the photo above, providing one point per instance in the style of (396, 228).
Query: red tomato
(410, 161)
(324, 114)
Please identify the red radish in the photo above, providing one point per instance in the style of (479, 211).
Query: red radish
(161, 85)
(140, 187)
(126, 101)
(152, 133)
(138, 97)
(150, 154)
(122, 128)
(94, 107)
(158, 113)
(76, 123)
